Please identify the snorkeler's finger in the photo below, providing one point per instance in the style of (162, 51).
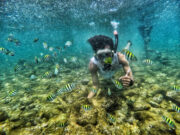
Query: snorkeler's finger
(125, 85)
(126, 77)
(126, 80)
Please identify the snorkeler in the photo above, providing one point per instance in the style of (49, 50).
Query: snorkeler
(106, 61)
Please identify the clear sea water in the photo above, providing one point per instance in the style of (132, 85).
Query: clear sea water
(58, 21)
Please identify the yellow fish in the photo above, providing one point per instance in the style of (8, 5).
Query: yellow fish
(148, 61)
(129, 54)
(47, 57)
(86, 107)
(169, 121)
(110, 118)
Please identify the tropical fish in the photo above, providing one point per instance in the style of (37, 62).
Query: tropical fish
(57, 66)
(51, 49)
(35, 40)
(12, 39)
(16, 41)
(118, 84)
(176, 108)
(66, 88)
(73, 59)
(62, 124)
(86, 107)
(6, 51)
(47, 75)
(17, 68)
(169, 122)
(129, 54)
(36, 59)
(67, 44)
(12, 93)
(109, 91)
(110, 118)
(46, 57)
(176, 88)
(69, 87)
(10, 53)
(65, 60)
(2, 49)
(51, 97)
(148, 61)
(60, 91)
(56, 70)
(45, 45)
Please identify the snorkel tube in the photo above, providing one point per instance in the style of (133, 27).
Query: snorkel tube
(116, 40)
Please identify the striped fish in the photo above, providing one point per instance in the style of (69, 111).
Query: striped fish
(176, 88)
(117, 84)
(176, 108)
(62, 124)
(12, 93)
(86, 107)
(148, 61)
(51, 97)
(47, 74)
(60, 91)
(169, 122)
(110, 118)
(129, 54)
(69, 87)
(17, 68)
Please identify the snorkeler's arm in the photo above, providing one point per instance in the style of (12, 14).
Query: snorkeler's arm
(128, 73)
(93, 70)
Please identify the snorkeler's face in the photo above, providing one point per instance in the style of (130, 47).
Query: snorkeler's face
(105, 56)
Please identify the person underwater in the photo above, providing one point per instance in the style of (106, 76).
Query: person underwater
(107, 61)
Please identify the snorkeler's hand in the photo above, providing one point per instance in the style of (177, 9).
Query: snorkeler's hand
(126, 80)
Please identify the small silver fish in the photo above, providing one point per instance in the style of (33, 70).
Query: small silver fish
(109, 91)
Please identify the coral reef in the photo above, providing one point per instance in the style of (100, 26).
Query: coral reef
(136, 110)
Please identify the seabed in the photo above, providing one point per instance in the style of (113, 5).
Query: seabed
(137, 110)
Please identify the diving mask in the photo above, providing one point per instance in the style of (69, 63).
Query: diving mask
(105, 55)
